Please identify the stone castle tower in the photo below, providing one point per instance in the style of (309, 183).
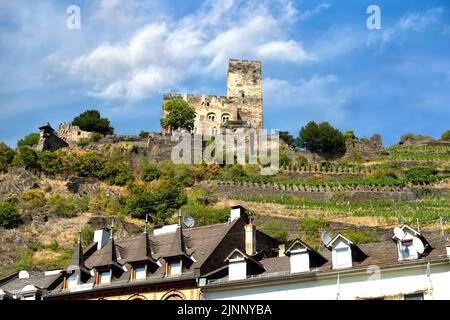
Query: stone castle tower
(241, 107)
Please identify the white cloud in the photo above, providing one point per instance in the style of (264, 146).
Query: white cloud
(413, 22)
(313, 11)
(163, 54)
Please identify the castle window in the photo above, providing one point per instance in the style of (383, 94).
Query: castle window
(211, 117)
(242, 95)
(214, 130)
(207, 104)
(225, 117)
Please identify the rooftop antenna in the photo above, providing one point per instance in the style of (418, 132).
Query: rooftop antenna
(146, 222)
(112, 228)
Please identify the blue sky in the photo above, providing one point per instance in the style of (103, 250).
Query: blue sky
(320, 62)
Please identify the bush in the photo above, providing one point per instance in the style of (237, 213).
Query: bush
(95, 136)
(205, 196)
(83, 142)
(50, 163)
(276, 229)
(143, 134)
(421, 174)
(29, 140)
(321, 138)
(116, 172)
(9, 215)
(87, 235)
(313, 224)
(361, 237)
(150, 173)
(6, 157)
(204, 215)
(301, 161)
(91, 121)
(28, 158)
(285, 160)
(179, 115)
(61, 206)
(159, 201)
(349, 135)
(53, 246)
(287, 138)
(32, 199)
(445, 136)
(184, 175)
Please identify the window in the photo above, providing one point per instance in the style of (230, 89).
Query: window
(342, 257)
(211, 117)
(174, 268)
(225, 117)
(72, 281)
(104, 277)
(140, 273)
(214, 130)
(415, 296)
(405, 248)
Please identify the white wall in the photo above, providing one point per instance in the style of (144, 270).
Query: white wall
(392, 284)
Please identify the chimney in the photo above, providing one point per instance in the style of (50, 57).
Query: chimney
(281, 249)
(101, 236)
(250, 239)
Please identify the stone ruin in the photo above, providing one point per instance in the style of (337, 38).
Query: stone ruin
(66, 137)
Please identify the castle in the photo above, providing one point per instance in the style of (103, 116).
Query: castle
(241, 107)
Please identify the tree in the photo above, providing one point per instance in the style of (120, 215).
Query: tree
(6, 157)
(288, 139)
(321, 138)
(91, 121)
(9, 216)
(29, 140)
(180, 115)
(28, 158)
(446, 136)
(143, 134)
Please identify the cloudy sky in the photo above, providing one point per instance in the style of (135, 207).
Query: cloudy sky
(320, 62)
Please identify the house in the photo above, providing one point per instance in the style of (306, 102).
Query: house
(411, 265)
(164, 265)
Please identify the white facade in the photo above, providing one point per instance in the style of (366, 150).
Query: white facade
(370, 283)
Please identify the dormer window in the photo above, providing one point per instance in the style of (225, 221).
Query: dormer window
(405, 248)
(343, 252)
(139, 273)
(72, 281)
(174, 268)
(342, 257)
(410, 243)
(104, 277)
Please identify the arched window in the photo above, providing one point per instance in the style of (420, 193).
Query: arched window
(211, 117)
(173, 295)
(225, 117)
(137, 296)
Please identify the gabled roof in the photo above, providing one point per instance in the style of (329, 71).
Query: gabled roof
(296, 242)
(339, 236)
(105, 257)
(245, 256)
(142, 251)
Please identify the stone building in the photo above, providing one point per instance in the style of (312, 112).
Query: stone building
(241, 107)
(67, 136)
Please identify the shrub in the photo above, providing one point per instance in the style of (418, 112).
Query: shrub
(143, 134)
(204, 215)
(159, 201)
(287, 138)
(313, 224)
(150, 173)
(95, 136)
(349, 135)
(83, 142)
(24, 259)
(6, 157)
(205, 196)
(361, 237)
(32, 199)
(116, 172)
(445, 136)
(9, 216)
(301, 161)
(285, 159)
(276, 229)
(54, 245)
(91, 121)
(29, 140)
(421, 174)
(28, 158)
(61, 206)
(184, 175)
(87, 235)
(50, 163)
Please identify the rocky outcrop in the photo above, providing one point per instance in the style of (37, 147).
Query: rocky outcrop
(16, 181)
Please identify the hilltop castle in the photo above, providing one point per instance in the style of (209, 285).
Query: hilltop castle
(241, 107)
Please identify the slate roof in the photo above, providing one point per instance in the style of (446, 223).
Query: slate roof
(37, 279)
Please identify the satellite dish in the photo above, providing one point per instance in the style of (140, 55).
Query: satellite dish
(418, 245)
(326, 238)
(188, 221)
(24, 274)
(399, 233)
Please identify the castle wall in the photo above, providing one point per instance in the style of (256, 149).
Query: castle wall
(243, 100)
